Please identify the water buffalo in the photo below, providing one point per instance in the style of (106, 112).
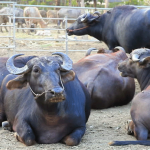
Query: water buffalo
(125, 26)
(138, 66)
(32, 22)
(43, 13)
(100, 75)
(19, 62)
(45, 102)
(70, 13)
(52, 14)
(18, 13)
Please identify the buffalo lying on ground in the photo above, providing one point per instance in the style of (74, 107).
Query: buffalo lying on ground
(138, 66)
(124, 26)
(45, 103)
(19, 62)
(100, 75)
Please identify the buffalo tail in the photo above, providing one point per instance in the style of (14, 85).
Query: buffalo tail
(121, 143)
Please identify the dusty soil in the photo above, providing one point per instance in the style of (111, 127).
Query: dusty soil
(103, 126)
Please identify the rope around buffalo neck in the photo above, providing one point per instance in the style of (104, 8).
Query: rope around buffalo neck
(38, 95)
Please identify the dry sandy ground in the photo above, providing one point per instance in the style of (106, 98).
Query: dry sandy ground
(103, 126)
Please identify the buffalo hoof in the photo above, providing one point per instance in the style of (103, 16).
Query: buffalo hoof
(70, 141)
(6, 125)
(27, 142)
(129, 127)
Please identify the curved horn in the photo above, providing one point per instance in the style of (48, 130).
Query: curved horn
(120, 48)
(142, 61)
(135, 57)
(67, 62)
(97, 13)
(85, 18)
(89, 51)
(14, 70)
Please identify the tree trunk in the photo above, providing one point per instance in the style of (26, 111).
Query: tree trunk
(95, 4)
(106, 5)
(57, 3)
(78, 2)
(70, 4)
(82, 3)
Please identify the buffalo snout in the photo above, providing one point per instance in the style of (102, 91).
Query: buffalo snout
(55, 95)
(56, 91)
(69, 31)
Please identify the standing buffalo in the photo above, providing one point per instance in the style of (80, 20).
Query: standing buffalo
(52, 14)
(69, 13)
(100, 75)
(43, 13)
(5, 18)
(125, 26)
(138, 66)
(34, 18)
(45, 102)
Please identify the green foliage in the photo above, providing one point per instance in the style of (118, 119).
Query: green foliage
(74, 3)
(134, 2)
(112, 5)
(32, 2)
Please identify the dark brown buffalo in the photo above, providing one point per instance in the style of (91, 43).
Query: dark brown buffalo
(100, 75)
(138, 66)
(45, 102)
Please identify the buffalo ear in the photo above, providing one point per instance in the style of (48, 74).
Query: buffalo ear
(17, 83)
(67, 76)
(145, 62)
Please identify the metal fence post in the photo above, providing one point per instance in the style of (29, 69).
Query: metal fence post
(66, 35)
(9, 32)
(14, 29)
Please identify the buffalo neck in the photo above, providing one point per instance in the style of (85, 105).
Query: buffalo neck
(95, 30)
(144, 79)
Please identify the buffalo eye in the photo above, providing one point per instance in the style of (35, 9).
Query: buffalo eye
(36, 69)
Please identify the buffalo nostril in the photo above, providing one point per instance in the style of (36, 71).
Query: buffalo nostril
(52, 92)
(56, 91)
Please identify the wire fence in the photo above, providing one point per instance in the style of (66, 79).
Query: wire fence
(29, 41)
(14, 38)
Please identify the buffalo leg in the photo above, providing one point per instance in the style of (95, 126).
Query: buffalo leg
(141, 133)
(6, 126)
(75, 137)
(58, 25)
(22, 27)
(18, 27)
(63, 24)
(2, 114)
(24, 133)
(1, 29)
(6, 28)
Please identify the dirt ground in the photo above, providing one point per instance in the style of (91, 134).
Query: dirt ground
(103, 126)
